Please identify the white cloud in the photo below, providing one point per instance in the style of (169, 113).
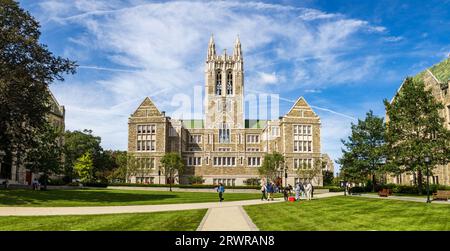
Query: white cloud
(267, 78)
(393, 39)
(160, 48)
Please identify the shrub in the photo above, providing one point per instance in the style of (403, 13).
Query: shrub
(253, 182)
(95, 184)
(359, 189)
(73, 184)
(56, 182)
(183, 186)
(334, 188)
(196, 180)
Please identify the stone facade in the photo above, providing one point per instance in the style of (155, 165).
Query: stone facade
(224, 147)
(56, 117)
(436, 78)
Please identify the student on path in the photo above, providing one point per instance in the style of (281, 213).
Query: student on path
(35, 184)
(297, 191)
(286, 193)
(263, 191)
(221, 190)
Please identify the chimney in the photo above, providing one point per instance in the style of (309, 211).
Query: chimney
(163, 113)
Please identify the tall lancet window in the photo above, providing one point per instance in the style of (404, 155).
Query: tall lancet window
(224, 133)
(219, 83)
(230, 83)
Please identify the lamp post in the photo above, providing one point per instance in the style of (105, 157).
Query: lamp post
(427, 163)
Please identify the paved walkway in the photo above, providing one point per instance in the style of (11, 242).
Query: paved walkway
(404, 198)
(221, 216)
(40, 211)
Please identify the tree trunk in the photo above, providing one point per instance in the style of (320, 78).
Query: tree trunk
(419, 181)
(373, 182)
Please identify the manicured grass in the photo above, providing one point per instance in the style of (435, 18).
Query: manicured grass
(164, 221)
(350, 213)
(109, 197)
(406, 195)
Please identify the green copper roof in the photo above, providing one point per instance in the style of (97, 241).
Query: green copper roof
(193, 123)
(440, 70)
(255, 123)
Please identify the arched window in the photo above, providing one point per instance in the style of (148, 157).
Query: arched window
(230, 83)
(219, 83)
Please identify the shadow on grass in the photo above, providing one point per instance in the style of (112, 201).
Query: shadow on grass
(30, 197)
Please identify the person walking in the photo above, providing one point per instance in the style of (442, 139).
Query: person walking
(290, 189)
(263, 191)
(269, 190)
(221, 190)
(34, 184)
(297, 191)
(286, 193)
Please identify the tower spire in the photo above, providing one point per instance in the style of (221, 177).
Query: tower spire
(211, 48)
(237, 52)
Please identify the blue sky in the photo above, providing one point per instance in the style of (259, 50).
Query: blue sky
(344, 57)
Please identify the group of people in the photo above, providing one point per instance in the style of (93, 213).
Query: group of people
(301, 189)
(267, 191)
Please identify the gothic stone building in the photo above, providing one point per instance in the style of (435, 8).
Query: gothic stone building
(437, 79)
(224, 147)
(18, 174)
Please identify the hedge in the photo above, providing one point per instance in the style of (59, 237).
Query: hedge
(182, 186)
(399, 188)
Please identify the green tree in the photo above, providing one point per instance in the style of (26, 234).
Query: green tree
(328, 177)
(84, 167)
(27, 68)
(272, 165)
(46, 155)
(365, 154)
(310, 172)
(76, 144)
(173, 166)
(119, 173)
(415, 130)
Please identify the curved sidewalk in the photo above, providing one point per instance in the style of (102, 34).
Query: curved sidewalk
(45, 211)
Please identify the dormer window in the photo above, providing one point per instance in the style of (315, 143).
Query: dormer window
(219, 83)
(230, 83)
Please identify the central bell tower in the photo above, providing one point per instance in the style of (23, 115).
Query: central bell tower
(224, 75)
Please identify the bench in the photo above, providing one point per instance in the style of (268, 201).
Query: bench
(385, 192)
(441, 195)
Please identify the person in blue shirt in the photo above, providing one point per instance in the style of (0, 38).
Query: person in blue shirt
(221, 190)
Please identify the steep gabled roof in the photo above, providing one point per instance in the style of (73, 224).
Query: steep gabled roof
(147, 109)
(439, 72)
(301, 105)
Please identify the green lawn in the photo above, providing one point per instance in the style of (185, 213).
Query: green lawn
(350, 213)
(163, 221)
(109, 197)
(406, 195)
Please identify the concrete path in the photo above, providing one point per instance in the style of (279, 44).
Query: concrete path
(35, 211)
(41, 211)
(404, 198)
(227, 219)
